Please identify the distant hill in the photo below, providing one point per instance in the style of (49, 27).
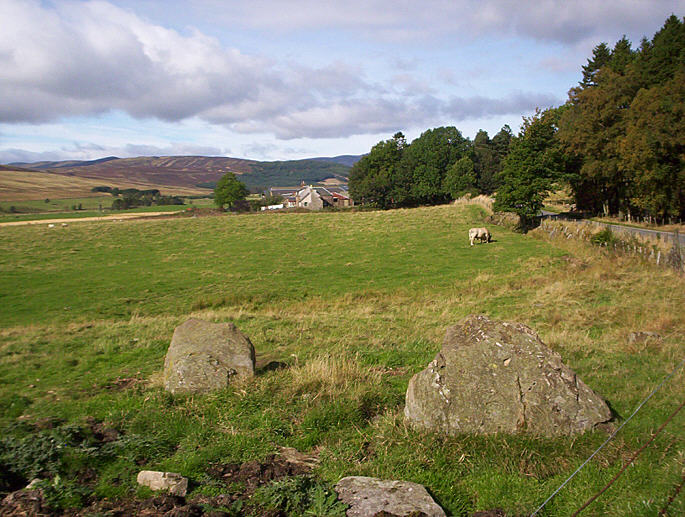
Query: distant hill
(14, 168)
(344, 159)
(57, 165)
(168, 172)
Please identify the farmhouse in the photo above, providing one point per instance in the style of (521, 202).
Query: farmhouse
(313, 197)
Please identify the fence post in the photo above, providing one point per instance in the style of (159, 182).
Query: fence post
(677, 255)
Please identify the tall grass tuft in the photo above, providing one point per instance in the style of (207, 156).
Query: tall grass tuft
(327, 377)
(481, 200)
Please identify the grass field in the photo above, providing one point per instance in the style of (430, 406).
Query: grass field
(59, 205)
(90, 207)
(355, 303)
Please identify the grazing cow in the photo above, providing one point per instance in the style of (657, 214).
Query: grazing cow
(481, 234)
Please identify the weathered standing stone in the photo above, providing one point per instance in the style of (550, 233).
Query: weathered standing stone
(493, 376)
(368, 497)
(203, 356)
(174, 483)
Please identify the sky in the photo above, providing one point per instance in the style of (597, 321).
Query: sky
(288, 79)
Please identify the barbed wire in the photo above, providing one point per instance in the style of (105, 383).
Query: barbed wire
(666, 379)
(673, 496)
(629, 462)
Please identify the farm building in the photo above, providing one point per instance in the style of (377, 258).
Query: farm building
(313, 197)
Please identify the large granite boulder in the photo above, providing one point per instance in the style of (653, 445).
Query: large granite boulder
(204, 356)
(369, 497)
(493, 376)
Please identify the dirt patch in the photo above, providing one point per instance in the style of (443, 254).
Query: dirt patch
(101, 431)
(163, 505)
(254, 474)
(123, 383)
(29, 503)
(241, 479)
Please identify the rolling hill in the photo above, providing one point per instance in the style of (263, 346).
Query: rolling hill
(192, 172)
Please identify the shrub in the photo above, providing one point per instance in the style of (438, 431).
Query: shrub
(604, 238)
(38, 454)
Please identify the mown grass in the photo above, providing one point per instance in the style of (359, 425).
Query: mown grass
(355, 304)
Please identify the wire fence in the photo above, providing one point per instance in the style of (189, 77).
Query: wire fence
(611, 437)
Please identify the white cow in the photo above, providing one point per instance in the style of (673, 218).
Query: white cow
(481, 234)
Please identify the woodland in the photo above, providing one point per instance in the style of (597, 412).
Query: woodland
(616, 143)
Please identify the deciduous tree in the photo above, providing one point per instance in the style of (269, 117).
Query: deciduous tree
(460, 178)
(375, 179)
(427, 159)
(229, 190)
(534, 164)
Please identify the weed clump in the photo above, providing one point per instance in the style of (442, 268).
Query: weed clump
(62, 493)
(604, 238)
(300, 495)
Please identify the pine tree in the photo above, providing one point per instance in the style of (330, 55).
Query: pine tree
(621, 56)
(600, 57)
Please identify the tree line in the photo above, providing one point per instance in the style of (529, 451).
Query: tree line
(617, 143)
(624, 124)
(438, 166)
(133, 197)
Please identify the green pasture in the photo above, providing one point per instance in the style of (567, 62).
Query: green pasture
(63, 208)
(354, 303)
(59, 205)
(173, 267)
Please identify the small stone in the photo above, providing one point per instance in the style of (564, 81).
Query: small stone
(368, 497)
(175, 483)
(297, 458)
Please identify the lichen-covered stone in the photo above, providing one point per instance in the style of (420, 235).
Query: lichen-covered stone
(204, 356)
(492, 376)
(368, 497)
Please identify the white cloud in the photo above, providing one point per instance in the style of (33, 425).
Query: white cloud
(94, 57)
(91, 151)
(483, 107)
(549, 20)
(73, 58)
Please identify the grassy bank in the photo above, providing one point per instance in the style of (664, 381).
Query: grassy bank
(355, 304)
